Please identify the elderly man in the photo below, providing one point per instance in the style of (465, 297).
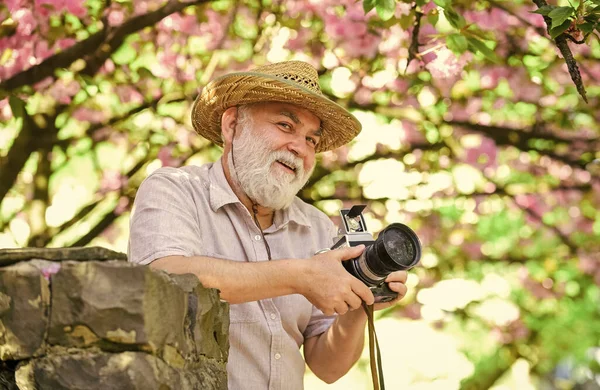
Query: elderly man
(239, 227)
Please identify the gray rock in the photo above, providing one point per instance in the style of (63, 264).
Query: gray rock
(24, 301)
(119, 306)
(207, 322)
(87, 370)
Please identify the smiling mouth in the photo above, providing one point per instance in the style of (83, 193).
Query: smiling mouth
(287, 167)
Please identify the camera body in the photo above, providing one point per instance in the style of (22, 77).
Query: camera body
(396, 248)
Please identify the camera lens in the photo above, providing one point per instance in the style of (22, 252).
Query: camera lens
(397, 248)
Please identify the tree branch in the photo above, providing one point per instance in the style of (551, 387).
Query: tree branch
(506, 136)
(88, 209)
(25, 144)
(413, 49)
(116, 36)
(95, 49)
(321, 172)
(39, 204)
(111, 216)
(563, 46)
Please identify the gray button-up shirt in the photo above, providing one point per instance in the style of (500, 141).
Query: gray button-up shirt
(192, 211)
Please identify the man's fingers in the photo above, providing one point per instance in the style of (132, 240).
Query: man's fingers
(354, 302)
(342, 308)
(363, 292)
(398, 287)
(397, 276)
(350, 252)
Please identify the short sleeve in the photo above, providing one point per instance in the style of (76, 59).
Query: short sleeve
(319, 323)
(164, 220)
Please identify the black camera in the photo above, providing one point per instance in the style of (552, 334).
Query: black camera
(396, 248)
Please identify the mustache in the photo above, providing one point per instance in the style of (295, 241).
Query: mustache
(288, 158)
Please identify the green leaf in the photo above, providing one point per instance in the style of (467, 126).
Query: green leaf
(556, 31)
(17, 106)
(385, 8)
(586, 28)
(433, 18)
(545, 10)
(560, 14)
(368, 5)
(480, 46)
(457, 43)
(124, 54)
(455, 20)
(442, 3)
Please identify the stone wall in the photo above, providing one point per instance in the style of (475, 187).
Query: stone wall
(106, 324)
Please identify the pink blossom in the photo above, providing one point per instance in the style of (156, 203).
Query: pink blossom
(493, 19)
(165, 155)
(63, 92)
(363, 96)
(116, 17)
(50, 269)
(412, 135)
(425, 33)
(532, 203)
(84, 114)
(5, 111)
(144, 6)
(398, 85)
(128, 94)
(446, 65)
(26, 22)
(46, 7)
(65, 43)
(300, 42)
(13, 5)
(45, 83)
(112, 181)
(108, 67)
(412, 311)
(122, 205)
(427, 8)
(76, 7)
(484, 155)
(362, 46)
(490, 76)
(19, 59)
(402, 9)
(42, 51)
(186, 24)
(536, 20)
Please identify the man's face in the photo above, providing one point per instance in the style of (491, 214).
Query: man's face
(273, 152)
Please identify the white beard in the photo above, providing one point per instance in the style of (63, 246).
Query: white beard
(256, 173)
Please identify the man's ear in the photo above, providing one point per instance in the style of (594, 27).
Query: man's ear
(228, 123)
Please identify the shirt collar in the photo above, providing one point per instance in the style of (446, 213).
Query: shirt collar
(220, 194)
(219, 190)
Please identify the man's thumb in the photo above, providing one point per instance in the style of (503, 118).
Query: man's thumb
(351, 252)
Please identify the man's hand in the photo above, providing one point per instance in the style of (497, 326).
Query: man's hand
(328, 286)
(397, 283)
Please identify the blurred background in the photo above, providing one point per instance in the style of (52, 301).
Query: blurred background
(480, 131)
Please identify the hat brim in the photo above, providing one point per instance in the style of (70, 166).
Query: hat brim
(337, 124)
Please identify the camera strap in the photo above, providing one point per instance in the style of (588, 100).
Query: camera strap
(374, 351)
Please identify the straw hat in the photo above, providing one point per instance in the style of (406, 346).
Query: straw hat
(294, 82)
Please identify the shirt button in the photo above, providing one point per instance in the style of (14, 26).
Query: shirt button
(273, 316)
(257, 237)
(277, 356)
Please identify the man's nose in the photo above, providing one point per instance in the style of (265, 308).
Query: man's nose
(298, 146)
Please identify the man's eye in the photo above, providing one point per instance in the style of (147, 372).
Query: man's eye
(311, 140)
(285, 125)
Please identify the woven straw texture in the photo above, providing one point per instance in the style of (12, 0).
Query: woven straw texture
(294, 82)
